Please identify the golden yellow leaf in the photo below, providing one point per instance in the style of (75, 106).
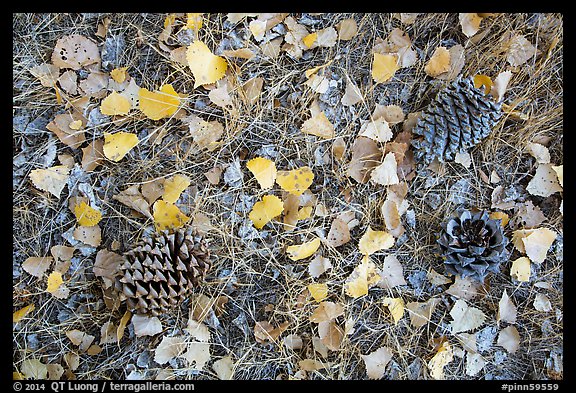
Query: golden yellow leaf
(54, 282)
(373, 241)
(115, 104)
(75, 125)
(295, 181)
(18, 315)
(264, 211)
(174, 186)
(500, 216)
(384, 67)
(362, 278)
(483, 80)
(206, 67)
(119, 74)
(87, 215)
(117, 145)
(318, 124)
(51, 179)
(168, 216)
(395, 306)
(438, 63)
(318, 291)
(441, 359)
(122, 326)
(305, 212)
(304, 250)
(159, 104)
(264, 170)
(170, 19)
(309, 39)
(194, 20)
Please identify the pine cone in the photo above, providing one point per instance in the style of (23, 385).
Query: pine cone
(458, 118)
(159, 273)
(473, 244)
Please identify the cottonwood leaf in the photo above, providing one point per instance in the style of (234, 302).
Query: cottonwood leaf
(362, 278)
(539, 152)
(60, 126)
(72, 360)
(75, 51)
(119, 74)
(560, 173)
(503, 217)
(506, 309)
(352, 94)
(331, 334)
(206, 67)
(395, 306)
(474, 363)
(194, 20)
(464, 288)
(295, 181)
(69, 82)
(326, 311)
(174, 186)
(221, 94)
(536, 242)
(528, 216)
(198, 330)
(391, 274)
(224, 368)
(34, 369)
(520, 50)
(438, 63)
(347, 29)
(122, 325)
(319, 291)
(265, 332)
(457, 61)
(509, 338)
(265, 210)
(54, 283)
(463, 159)
(158, 104)
(51, 179)
(36, 266)
(377, 130)
(145, 325)
(293, 341)
(302, 251)
(318, 124)
(93, 155)
(386, 173)
(393, 114)
(20, 314)
(542, 303)
(197, 355)
(436, 278)
(312, 365)
(366, 156)
(117, 145)
(520, 270)
(252, 89)
(168, 216)
(376, 362)
(501, 85)
(134, 199)
(440, 360)
(373, 241)
(389, 210)
(384, 66)
(205, 133)
(421, 312)
(169, 348)
(55, 371)
(88, 235)
(339, 233)
(318, 266)
(465, 317)
(46, 73)
(87, 215)
(81, 339)
(264, 170)
(115, 104)
(470, 23)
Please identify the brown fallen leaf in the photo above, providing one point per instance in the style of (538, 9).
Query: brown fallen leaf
(75, 51)
(265, 332)
(106, 266)
(318, 124)
(61, 127)
(339, 233)
(134, 199)
(88, 235)
(37, 266)
(366, 155)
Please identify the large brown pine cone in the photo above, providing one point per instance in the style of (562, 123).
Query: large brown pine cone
(458, 118)
(472, 244)
(160, 272)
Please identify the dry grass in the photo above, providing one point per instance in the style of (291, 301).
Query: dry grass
(255, 273)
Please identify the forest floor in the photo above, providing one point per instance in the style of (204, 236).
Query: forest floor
(252, 316)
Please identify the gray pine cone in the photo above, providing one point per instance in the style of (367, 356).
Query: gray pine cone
(159, 273)
(472, 244)
(458, 118)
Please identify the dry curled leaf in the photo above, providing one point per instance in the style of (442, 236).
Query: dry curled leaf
(366, 156)
(107, 265)
(134, 199)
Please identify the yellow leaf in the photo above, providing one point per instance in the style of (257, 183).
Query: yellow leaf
(159, 104)
(87, 215)
(170, 19)
(174, 186)
(75, 125)
(318, 291)
(373, 241)
(117, 145)
(168, 216)
(384, 67)
(441, 359)
(194, 20)
(18, 315)
(295, 181)
(304, 250)
(500, 216)
(309, 39)
(51, 179)
(115, 104)
(119, 74)
(305, 212)
(438, 63)
(396, 307)
(54, 282)
(206, 67)
(362, 278)
(483, 80)
(264, 211)
(264, 170)
(122, 326)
